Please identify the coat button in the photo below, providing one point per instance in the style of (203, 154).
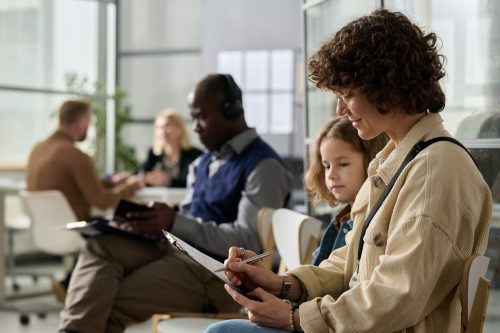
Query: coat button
(378, 240)
(378, 182)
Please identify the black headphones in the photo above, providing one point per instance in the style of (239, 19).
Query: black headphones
(232, 108)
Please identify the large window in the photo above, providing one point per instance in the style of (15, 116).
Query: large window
(159, 61)
(266, 78)
(41, 41)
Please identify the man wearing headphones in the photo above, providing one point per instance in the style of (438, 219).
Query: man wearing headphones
(120, 281)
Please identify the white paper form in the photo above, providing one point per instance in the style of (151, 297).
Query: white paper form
(206, 261)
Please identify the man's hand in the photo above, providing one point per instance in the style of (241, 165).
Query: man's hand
(119, 178)
(150, 223)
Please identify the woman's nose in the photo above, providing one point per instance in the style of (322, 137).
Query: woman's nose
(342, 108)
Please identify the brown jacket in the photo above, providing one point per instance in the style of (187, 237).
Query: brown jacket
(56, 164)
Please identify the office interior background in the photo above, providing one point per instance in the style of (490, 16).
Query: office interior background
(156, 50)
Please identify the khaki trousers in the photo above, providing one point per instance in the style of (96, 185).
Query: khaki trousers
(119, 281)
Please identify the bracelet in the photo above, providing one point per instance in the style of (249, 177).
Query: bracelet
(285, 289)
(292, 325)
(293, 307)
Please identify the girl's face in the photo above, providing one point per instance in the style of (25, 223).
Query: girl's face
(364, 116)
(345, 168)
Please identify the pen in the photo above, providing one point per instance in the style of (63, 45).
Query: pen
(250, 260)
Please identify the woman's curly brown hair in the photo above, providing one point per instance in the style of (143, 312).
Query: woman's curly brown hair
(342, 129)
(388, 57)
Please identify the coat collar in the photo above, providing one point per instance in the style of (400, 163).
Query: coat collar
(388, 160)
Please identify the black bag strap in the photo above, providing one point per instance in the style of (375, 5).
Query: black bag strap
(411, 155)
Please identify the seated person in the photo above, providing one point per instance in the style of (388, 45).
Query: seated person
(338, 162)
(56, 164)
(401, 271)
(120, 281)
(167, 162)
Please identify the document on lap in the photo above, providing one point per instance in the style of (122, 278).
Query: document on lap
(207, 262)
(99, 226)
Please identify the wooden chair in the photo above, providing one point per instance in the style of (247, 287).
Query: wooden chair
(196, 322)
(474, 293)
(296, 236)
(189, 322)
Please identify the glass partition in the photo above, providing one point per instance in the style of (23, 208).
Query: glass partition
(470, 35)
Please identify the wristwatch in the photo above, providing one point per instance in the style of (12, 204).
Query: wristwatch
(287, 284)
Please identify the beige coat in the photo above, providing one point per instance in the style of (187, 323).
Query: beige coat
(435, 217)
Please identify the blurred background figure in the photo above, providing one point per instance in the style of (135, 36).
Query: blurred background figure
(57, 164)
(172, 152)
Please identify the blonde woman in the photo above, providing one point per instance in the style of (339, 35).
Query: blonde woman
(172, 152)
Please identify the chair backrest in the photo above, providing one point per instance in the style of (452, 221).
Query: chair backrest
(474, 293)
(49, 212)
(265, 230)
(15, 215)
(296, 236)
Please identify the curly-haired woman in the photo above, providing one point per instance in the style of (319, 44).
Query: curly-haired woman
(402, 273)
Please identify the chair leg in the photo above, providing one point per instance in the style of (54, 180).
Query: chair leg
(11, 260)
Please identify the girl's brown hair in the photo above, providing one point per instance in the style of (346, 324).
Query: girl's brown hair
(342, 129)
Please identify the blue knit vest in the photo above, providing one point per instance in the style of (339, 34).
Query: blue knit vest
(216, 198)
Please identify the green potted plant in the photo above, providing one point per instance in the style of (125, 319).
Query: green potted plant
(125, 157)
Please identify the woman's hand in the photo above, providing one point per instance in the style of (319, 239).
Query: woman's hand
(265, 309)
(250, 276)
(156, 177)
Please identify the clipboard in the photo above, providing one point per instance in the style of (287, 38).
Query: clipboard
(201, 258)
(99, 226)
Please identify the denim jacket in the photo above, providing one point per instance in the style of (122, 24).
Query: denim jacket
(334, 236)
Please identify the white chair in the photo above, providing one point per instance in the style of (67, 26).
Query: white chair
(49, 212)
(474, 293)
(265, 230)
(196, 322)
(296, 236)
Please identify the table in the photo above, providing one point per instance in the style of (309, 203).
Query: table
(7, 186)
(170, 196)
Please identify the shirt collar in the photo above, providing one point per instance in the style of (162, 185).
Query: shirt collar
(343, 216)
(61, 135)
(388, 160)
(236, 144)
